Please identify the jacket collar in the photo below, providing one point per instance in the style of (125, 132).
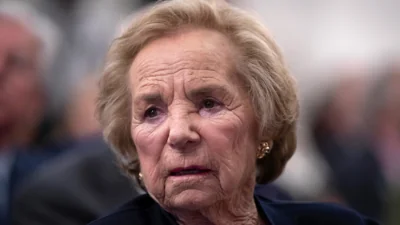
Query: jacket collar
(271, 214)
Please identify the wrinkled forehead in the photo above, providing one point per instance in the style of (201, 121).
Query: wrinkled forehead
(196, 62)
(201, 50)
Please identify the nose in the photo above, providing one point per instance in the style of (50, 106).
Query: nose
(182, 135)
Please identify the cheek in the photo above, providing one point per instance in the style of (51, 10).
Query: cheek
(149, 144)
(230, 131)
(230, 142)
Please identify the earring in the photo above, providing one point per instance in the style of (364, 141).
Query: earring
(263, 149)
(140, 176)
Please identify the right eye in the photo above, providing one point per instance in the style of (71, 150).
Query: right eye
(151, 112)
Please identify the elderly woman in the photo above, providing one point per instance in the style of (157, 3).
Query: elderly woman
(199, 107)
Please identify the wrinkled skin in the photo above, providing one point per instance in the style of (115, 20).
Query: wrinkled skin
(190, 109)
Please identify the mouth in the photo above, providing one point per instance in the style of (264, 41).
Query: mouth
(191, 170)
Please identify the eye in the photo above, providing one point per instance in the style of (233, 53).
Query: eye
(209, 107)
(209, 103)
(151, 112)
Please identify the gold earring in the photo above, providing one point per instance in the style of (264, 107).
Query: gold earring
(140, 176)
(263, 149)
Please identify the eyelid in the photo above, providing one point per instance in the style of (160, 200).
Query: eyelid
(218, 95)
(147, 99)
(210, 98)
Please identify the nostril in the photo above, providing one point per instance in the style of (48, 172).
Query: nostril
(183, 139)
(178, 141)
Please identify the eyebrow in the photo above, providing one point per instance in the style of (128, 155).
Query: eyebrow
(208, 90)
(155, 97)
(149, 98)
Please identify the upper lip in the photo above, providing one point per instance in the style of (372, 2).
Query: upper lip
(193, 167)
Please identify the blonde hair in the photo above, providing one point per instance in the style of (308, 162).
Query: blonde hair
(260, 66)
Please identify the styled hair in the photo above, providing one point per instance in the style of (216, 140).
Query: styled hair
(260, 66)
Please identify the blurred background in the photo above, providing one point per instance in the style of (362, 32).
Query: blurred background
(55, 168)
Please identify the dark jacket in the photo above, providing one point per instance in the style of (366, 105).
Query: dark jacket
(74, 189)
(143, 210)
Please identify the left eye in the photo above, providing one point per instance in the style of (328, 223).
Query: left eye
(209, 107)
(151, 112)
(209, 103)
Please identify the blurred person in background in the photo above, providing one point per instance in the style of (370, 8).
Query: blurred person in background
(338, 130)
(22, 93)
(80, 185)
(74, 189)
(384, 131)
(385, 123)
(29, 44)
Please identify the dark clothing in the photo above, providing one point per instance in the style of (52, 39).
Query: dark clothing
(356, 173)
(21, 164)
(271, 191)
(143, 210)
(27, 161)
(74, 189)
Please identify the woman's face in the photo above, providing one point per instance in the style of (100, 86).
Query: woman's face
(192, 121)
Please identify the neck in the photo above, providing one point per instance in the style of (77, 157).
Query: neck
(239, 209)
(219, 216)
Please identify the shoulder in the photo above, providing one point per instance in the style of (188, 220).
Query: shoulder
(83, 170)
(89, 174)
(142, 209)
(308, 213)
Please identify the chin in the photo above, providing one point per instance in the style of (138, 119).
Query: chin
(192, 200)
